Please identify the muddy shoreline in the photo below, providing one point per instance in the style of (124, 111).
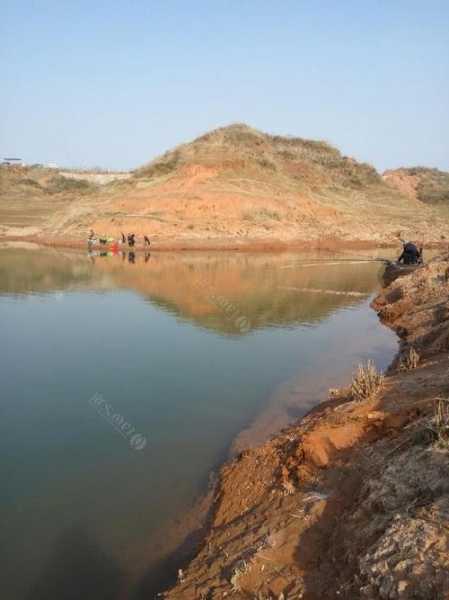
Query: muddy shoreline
(249, 245)
(309, 513)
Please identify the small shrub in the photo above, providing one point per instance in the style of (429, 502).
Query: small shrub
(440, 424)
(164, 165)
(287, 155)
(161, 168)
(32, 182)
(271, 214)
(64, 184)
(266, 164)
(262, 214)
(410, 360)
(367, 382)
(241, 569)
(338, 393)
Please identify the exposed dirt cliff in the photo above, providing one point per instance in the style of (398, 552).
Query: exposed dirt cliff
(352, 501)
(233, 186)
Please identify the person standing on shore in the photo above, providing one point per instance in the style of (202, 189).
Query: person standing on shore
(91, 239)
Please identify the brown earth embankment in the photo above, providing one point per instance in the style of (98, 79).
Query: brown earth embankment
(352, 501)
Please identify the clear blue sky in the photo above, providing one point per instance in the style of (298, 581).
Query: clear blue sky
(115, 83)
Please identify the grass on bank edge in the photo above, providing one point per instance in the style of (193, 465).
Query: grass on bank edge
(367, 382)
(440, 423)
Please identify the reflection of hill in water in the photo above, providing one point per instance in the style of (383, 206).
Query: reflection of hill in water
(41, 271)
(214, 290)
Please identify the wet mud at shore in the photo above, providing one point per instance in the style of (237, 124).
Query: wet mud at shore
(326, 244)
(323, 243)
(220, 342)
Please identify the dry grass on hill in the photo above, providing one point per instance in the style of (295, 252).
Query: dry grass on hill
(234, 185)
(239, 148)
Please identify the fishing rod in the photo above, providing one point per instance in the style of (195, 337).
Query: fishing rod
(330, 261)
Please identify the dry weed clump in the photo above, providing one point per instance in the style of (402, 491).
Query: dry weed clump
(59, 183)
(410, 360)
(242, 568)
(440, 423)
(367, 382)
(261, 215)
(342, 393)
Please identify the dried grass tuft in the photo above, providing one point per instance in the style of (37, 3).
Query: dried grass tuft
(410, 360)
(440, 423)
(367, 382)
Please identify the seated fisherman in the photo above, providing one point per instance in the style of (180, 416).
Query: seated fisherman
(410, 254)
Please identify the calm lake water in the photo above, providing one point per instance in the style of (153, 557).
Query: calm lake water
(125, 380)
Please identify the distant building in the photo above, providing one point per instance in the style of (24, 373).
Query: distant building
(13, 162)
(51, 165)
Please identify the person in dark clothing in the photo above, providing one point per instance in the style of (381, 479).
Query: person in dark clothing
(131, 239)
(123, 238)
(146, 240)
(410, 254)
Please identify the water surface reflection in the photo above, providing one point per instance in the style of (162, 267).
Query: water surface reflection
(189, 349)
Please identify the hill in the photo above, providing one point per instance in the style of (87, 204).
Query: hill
(230, 187)
(426, 185)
